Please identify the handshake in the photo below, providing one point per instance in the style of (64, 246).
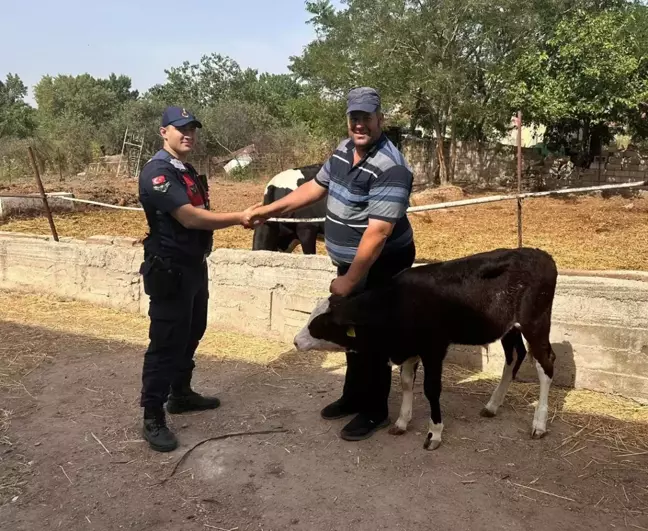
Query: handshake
(254, 216)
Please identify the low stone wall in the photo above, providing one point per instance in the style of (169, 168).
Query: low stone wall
(599, 330)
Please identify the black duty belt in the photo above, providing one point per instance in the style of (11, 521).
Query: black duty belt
(182, 260)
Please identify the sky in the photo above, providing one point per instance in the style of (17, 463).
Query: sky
(140, 38)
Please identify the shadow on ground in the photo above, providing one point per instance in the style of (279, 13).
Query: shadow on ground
(75, 443)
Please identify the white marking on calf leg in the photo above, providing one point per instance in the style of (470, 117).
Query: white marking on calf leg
(497, 398)
(407, 384)
(540, 418)
(433, 440)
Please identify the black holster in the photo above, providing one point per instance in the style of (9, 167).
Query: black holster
(161, 277)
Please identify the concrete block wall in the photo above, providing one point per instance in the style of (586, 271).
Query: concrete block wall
(101, 274)
(599, 327)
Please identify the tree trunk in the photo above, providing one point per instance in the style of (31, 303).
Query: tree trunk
(60, 165)
(585, 148)
(440, 153)
(416, 113)
(453, 151)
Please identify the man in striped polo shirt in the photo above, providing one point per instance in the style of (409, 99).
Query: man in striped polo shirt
(368, 238)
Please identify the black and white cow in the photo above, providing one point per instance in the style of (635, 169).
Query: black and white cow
(505, 294)
(284, 237)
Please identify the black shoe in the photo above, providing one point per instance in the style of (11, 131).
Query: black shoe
(190, 401)
(158, 435)
(338, 409)
(362, 427)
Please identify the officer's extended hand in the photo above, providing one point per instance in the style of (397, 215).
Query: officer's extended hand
(248, 218)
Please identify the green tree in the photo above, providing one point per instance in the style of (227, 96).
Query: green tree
(439, 61)
(589, 75)
(83, 96)
(17, 118)
(199, 85)
(446, 64)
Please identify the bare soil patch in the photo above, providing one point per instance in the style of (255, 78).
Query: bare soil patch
(72, 457)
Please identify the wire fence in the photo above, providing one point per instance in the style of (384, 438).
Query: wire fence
(520, 197)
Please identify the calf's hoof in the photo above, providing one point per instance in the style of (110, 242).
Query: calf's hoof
(537, 433)
(395, 430)
(431, 444)
(485, 412)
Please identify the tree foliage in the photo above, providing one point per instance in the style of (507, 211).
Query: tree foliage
(593, 70)
(456, 69)
(82, 96)
(16, 117)
(449, 64)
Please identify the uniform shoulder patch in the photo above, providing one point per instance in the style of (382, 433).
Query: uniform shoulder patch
(160, 184)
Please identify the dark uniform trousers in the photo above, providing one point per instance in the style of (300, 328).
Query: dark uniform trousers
(368, 376)
(178, 323)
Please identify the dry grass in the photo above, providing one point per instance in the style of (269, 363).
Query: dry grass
(581, 233)
(85, 320)
(620, 424)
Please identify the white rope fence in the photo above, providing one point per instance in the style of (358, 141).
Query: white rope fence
(489, 199)
(86, 201)
(414, 210)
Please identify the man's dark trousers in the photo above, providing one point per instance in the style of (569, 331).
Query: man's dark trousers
(368, 376)
(178, 323)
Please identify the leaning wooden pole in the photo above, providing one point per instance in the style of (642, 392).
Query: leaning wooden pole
(43, 196)
(519, 177)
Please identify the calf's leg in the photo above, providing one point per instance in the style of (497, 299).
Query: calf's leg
(433, 367)
(540, 348)
(408, 375)
(509, 342)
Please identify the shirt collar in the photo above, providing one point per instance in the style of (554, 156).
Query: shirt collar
(350, 146)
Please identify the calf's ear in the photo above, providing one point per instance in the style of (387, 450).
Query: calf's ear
(367, 308)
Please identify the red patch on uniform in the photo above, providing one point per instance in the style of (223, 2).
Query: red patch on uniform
(195, 197)
(159, 180)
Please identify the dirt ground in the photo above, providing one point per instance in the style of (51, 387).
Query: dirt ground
(71, 456)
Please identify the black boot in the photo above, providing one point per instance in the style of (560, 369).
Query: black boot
(156, 432)
(339, 409)
(363, 426)
(184, 399)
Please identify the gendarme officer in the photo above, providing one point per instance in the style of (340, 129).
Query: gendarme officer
(176, 203)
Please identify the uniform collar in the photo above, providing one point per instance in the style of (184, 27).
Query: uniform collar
(163, 154)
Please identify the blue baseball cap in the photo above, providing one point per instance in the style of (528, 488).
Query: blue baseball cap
(178, 116)
(363, 99)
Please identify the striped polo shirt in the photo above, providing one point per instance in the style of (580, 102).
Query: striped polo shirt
(378, 187)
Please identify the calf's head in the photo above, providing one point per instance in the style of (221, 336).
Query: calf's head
(324, 330)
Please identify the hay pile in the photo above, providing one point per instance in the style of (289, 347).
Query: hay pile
(442, 194)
